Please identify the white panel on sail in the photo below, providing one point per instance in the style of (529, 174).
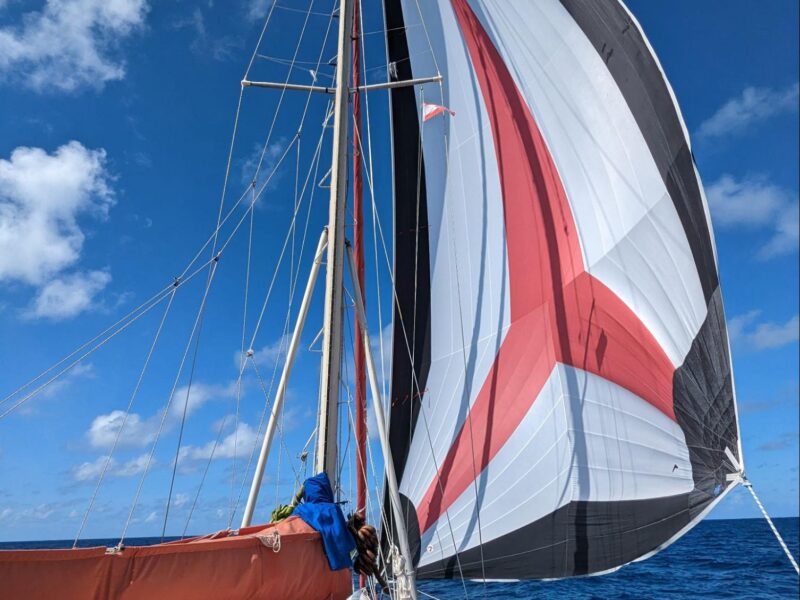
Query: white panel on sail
(584, 438)
(631, 237)
(466, 233)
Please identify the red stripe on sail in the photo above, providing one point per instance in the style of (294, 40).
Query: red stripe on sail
(559, 312)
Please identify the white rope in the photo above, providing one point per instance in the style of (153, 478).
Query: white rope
(78, 360)
(127, 316)
(368, 167)
(467, 385)
(205, 473)
(283, 91)
(188, 394)
(749, 486)
(427, 595)
(125, 417)
(396, 303)
(315, 164)
(242, 357)
(268, 399)
(165, 413)
(316, 13)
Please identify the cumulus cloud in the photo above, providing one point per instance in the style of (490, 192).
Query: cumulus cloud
(268, 354)
(203, 44)
(68, 296)
(91, 470)
(237, 443)
(752, 106)
(261, 164)
(133, 467)
(257, 9)
(140, 431)
(70, 44)
(137, 431)
(41, 197)
(748, 332)
(198, 395)
(755, 203)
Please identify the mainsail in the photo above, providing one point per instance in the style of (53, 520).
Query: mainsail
(561, 394)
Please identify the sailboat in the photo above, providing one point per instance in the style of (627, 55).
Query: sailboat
(561, 398)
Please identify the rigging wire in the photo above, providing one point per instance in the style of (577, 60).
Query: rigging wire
(122, 319)
(188, 394)
(422, 412)
(165, 413)
(118, 326)
(368, 167)
(127, 414)
(241, 352)
(315, 164)
(467, 385)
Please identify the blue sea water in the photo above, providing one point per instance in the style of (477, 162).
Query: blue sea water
(717, 559)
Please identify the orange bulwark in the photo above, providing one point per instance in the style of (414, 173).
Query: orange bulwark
(276, 562)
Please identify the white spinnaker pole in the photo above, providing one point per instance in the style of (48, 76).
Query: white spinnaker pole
(277, 405)
(380, 419)
(326, 456)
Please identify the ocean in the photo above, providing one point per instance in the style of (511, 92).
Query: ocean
(717, 559)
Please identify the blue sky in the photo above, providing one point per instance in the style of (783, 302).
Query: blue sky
(114, 138)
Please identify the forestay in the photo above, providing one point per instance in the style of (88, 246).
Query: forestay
(562, 393)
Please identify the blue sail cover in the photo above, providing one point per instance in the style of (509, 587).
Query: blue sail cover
(321, 512)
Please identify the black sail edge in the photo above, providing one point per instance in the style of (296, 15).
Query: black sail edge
(412, 299)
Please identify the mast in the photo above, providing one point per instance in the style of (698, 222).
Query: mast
(358, 251)
(326, 456)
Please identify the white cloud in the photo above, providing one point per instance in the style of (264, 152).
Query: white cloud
(263, 161)
(133, 467)
(786, 236)
(137, 432)
(269, 354)
(79, 371)
(91, 470)
(68, 296)
(203, 44)
(746, 331)
(257, 9)
(199, 394)
(41, 512)
(70, 44)
(751, 106)
(754, 203)
(238, 443)
(41, 197)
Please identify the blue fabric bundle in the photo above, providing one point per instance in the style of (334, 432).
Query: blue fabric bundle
(319, 511)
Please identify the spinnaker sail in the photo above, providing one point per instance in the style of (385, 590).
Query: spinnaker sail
(561, 391)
